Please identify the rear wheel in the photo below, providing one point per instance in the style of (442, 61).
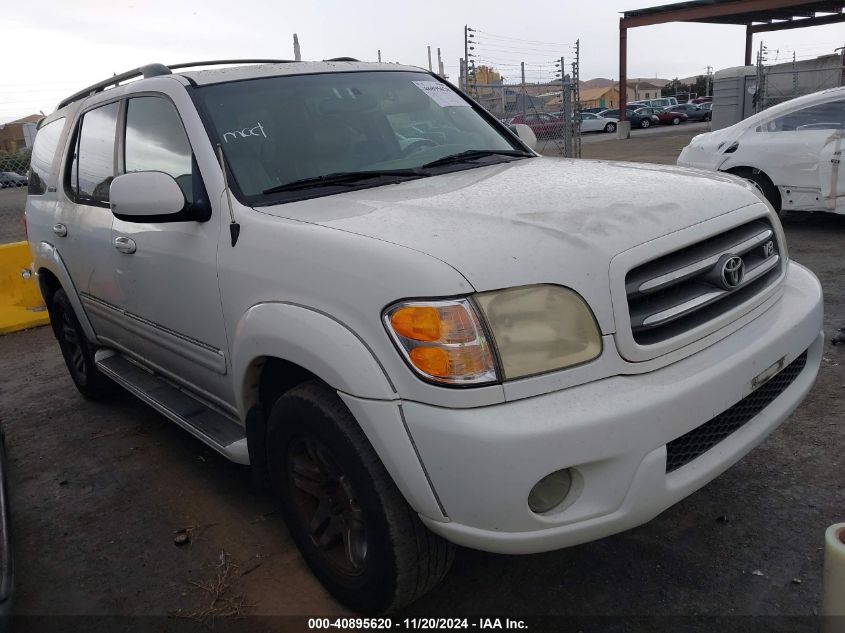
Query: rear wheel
(645, 123)
(77, 350)
(351, 524)
(676, 120)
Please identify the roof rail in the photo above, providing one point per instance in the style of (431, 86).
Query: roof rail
(156, 70)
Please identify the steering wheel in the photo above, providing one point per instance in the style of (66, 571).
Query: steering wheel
(414, 145)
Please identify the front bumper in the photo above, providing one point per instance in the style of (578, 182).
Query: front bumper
(483, 462)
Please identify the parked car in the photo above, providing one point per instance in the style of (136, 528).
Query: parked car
(701, 100)
(595, 123)
(638, 118)
(790, 152)
(415, 341)
(707, 105)
(665, 117)
(692, 111)
(11, 179)
(544, 126)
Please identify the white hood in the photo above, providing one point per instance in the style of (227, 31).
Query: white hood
(531, 221)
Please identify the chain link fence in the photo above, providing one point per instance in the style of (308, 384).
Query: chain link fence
(781, 82)
(15, 149)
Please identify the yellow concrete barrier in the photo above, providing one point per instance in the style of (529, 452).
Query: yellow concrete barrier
(21, 305)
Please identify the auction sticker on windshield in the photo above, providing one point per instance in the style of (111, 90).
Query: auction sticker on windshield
(441, 94)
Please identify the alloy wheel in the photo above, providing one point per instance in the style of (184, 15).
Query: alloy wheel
(327, 506)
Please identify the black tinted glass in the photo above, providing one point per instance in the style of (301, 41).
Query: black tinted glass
(156, 141)
(95, 155)
(46, 143)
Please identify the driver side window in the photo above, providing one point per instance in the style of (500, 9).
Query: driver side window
(156, 141)
(822, 116)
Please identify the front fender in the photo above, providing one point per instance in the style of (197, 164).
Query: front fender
(313, 340)
(46, 257)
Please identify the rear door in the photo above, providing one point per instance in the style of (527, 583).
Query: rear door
(84, 221)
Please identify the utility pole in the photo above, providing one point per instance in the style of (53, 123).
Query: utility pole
(522, 91)
(566, 107)
(429, 58)
(709, 83)
(379, 56)
(466, 59)
(297, 56)
(440, 70)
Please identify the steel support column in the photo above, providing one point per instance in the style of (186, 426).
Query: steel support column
(749, 38)
(623, 71)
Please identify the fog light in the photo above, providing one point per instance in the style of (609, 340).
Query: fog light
(550, 491)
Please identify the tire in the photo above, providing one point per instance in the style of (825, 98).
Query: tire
(764, 184)
(77, 350)
(645, 123)
(676, 121)
(610, 128)
(369, 548)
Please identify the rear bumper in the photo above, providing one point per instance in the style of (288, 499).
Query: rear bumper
(483, 462)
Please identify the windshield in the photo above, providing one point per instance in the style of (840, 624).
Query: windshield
(281, 130)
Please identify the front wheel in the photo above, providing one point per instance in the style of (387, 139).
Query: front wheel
(77, 350)
(351, 524)
(610, 127)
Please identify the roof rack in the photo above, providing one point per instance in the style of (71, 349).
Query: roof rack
(156, 70)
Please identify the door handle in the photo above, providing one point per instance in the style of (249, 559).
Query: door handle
(124, 245)
(60, 229)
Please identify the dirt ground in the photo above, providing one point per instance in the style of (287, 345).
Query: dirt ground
(98, 491)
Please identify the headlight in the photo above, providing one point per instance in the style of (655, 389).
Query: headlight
(443, 341)
(535, 329)
(540, 328)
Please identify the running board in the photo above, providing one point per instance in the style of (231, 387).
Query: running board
(219, 431)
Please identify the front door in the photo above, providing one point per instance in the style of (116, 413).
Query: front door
(174, 305)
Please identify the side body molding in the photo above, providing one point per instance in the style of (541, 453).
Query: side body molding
(47, 257)
(313, 340)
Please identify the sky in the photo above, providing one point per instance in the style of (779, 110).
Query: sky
(64, 46)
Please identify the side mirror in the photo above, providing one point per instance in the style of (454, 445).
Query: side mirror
(147, 196)
(525, 134)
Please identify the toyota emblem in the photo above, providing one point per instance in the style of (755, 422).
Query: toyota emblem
(733, 270)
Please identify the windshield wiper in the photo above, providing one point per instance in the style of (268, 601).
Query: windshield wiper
(344, 178)
(473, 154)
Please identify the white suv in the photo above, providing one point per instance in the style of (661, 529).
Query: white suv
(417, 330)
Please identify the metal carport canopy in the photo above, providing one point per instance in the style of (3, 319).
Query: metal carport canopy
(757, 15)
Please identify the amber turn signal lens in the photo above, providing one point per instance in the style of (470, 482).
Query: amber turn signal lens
(418, 323)
(442, 340)
(432, 360)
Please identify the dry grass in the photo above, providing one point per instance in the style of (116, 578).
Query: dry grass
(221, 601)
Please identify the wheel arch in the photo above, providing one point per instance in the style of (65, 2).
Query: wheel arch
(746, 171)
(53, 275)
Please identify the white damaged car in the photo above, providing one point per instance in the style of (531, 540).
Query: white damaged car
(791, 152)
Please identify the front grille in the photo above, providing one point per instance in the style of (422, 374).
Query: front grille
(686, 448)
(684, 289)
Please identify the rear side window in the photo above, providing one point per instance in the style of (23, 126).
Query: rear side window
(156, 141)
(93, 166)
(43, 153)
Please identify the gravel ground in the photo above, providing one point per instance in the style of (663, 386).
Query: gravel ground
(99, 489)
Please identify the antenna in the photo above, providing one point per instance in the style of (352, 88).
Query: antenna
(234, 227)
